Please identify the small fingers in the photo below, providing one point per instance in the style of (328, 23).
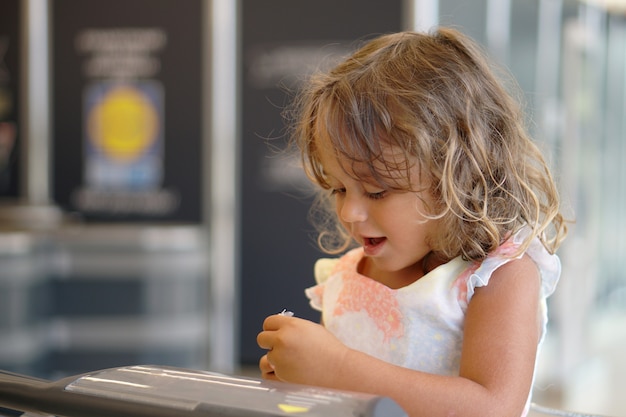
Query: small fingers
(265, 340)
(274, 322)
(267, 369)
(265, 365)
(271, 324)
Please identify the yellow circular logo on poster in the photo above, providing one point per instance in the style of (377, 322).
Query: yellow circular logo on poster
(124, 124)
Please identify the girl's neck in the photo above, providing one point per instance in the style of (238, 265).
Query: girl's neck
(399, 279)
(391, 279)
(430, 262)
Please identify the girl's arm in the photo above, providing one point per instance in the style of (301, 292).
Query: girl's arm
(502, 329)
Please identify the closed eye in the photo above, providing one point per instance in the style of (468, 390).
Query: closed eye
(377, 196)
(372, 196)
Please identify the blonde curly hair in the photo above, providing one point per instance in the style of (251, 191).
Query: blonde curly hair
(435, 99)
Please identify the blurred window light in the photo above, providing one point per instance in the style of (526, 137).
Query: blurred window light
(612, 6)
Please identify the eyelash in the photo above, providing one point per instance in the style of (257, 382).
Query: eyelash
(372, 196)
(377, 196)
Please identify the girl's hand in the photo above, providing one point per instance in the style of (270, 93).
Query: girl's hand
(299, 351)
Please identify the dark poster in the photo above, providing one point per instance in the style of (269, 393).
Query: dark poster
(9, 97)
(283, 41)
(127, 109)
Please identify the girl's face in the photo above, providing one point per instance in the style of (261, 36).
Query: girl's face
(388, 224)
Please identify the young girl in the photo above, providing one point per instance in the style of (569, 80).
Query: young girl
(424, 159)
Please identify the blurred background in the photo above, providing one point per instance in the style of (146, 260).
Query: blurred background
(148, 215)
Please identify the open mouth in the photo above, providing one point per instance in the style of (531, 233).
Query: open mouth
(374, 241)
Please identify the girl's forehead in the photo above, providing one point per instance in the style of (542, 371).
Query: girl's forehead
(328, 156)
(359, 156)
(391, 167)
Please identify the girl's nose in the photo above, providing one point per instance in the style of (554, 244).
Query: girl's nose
(353, 209)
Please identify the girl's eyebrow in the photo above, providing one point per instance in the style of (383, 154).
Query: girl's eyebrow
(364, 174)
(359, 171)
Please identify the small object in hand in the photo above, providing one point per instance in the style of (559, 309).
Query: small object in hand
(286, 312)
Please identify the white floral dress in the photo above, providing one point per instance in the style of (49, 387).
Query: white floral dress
(419, 326)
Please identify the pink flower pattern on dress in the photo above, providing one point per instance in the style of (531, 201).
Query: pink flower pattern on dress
(507, 249)
(360, 293)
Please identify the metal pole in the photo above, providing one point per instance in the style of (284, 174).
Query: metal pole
(499, 29)
(424, 14)
(35, 107)
(224, 185)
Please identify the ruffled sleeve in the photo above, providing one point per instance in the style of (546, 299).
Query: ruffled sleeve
(323, 270)
(548, 264)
